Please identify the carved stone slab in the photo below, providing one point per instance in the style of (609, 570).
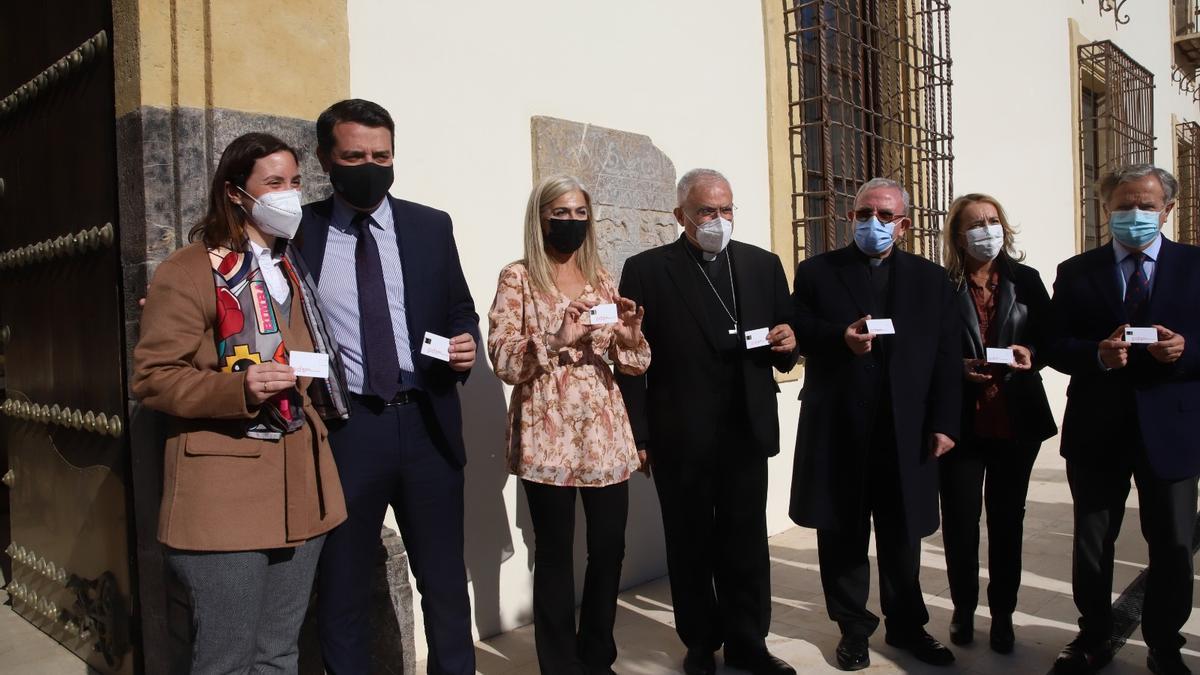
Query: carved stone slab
(632, 183)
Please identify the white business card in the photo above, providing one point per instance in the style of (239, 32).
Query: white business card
(1141, 335)
(309, 364)
(1001, 355)
(436, 346)
(757, 338)
(881, 327)
(602, 314)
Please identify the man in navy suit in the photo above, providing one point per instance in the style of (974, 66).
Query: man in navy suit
(388, 274)
(1131, 412)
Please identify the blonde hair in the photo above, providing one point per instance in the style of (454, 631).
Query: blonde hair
(952, 253)
(536, 261)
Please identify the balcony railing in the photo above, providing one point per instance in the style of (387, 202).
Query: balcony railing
(1186, 20)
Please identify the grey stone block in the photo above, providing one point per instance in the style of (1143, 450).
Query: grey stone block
(631, 181)
(391, 617)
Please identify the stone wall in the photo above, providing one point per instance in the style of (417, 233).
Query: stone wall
(631, 181)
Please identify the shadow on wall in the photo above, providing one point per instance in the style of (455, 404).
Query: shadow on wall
(645, 548)
(487, 526)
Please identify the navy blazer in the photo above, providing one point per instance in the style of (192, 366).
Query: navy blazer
(436, 298)
(1155, 403)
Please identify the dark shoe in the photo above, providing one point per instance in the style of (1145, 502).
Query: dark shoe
(1083, 657)
(962, 627)
(923, 646)
(1002, 634)
(852, 653)
(1166, 662)
(699, 663)
(760, 663)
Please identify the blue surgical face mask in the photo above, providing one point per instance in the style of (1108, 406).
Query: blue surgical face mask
(1134, 227)
(874, 237)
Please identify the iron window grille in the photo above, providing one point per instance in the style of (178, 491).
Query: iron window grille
(1187, 170)
(1116, 126)
(869, 95)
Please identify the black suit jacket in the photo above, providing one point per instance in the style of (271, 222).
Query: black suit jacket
(436, 298)
(1023, 318)
(1107, 410)
(840, 390)
(673, 408)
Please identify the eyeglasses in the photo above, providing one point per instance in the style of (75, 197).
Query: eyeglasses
(863, 215)
(710, 212)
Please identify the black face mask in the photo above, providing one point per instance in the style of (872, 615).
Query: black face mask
(566, 236)
(362, 185)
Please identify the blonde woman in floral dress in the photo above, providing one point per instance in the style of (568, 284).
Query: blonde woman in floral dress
(568, 430)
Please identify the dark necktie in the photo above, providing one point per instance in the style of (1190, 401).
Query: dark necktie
(1137, 290)
(382, 366)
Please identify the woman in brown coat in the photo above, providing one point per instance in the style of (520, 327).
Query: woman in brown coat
(249, 484)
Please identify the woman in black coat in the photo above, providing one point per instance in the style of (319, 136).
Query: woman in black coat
(1005, 311)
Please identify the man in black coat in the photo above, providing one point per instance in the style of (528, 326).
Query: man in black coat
(1131, 412)
(877, 409)
(717, 319)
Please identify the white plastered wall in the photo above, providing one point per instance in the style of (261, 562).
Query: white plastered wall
(1014, 120)
(463, 79)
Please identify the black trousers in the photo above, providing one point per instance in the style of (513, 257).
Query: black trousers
(560, 647)
(846, 567)
(387, 457)
(1168, 518)
(975, 474)
(714, 519)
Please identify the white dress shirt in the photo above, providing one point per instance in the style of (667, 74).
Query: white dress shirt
(269, 263)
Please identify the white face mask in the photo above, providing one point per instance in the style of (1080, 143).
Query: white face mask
(277, 213)
(984, 243)
(713, 236)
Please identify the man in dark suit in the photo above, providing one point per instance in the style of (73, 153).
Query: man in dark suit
(1131, 411)
(717, 318)
(877, 410)
(388, 273)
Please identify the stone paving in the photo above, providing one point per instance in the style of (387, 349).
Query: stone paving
(803, 635)
(800, 631)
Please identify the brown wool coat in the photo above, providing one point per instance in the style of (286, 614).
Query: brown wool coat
(223, 491)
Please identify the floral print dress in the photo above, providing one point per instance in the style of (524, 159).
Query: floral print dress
(567, 423)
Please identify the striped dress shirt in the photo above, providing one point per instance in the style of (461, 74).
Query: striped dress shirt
(339, 291)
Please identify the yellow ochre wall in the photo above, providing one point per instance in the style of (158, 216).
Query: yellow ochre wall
(289, 58)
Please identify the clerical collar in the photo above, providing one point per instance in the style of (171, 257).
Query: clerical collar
(874, 262)
(700, 254)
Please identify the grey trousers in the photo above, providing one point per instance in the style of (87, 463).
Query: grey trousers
(247, 606)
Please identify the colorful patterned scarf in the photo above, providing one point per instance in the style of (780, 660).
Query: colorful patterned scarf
(241, 289)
